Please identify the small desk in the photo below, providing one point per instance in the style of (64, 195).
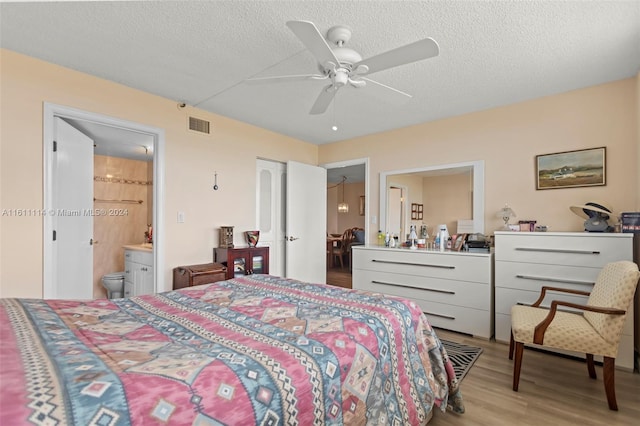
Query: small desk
(330, 241)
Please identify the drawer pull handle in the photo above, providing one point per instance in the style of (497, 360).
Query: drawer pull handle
(553, 280)
(418, 288)
(414, 264)
(432, 314)
(550, 250)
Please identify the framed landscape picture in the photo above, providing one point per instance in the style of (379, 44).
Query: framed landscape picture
(570, 169)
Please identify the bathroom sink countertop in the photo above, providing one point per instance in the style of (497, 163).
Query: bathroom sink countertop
(141, 247)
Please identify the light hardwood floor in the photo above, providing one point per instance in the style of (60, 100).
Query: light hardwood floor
(553, 391)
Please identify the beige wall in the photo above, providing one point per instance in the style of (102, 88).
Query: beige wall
(190, 162)
(508, 140)
(446, 200)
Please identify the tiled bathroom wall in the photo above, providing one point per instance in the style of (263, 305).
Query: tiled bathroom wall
(124, 218)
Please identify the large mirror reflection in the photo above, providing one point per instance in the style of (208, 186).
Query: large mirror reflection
(449, 194)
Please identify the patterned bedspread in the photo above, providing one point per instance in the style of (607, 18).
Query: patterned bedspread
(254, 350)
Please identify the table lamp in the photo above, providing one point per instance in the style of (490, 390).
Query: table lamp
(506, 213)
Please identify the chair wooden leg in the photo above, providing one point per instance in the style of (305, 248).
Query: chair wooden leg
(591, 367)
(609, 368)
(511, 346)
(517, 364)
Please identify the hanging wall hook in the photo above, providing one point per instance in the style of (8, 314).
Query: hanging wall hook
(215, 183)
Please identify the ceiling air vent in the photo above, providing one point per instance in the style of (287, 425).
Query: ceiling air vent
(199, 125)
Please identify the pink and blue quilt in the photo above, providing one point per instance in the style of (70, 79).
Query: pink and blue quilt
(256, 350)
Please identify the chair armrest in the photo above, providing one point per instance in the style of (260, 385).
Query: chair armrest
(541, 328)
(544, 289)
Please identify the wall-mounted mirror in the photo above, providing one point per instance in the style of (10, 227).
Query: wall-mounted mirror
(433, 195)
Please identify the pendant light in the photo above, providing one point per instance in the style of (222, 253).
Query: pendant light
(343, 207)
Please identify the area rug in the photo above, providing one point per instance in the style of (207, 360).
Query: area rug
(462, 357)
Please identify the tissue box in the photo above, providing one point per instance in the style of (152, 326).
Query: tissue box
(465, 226)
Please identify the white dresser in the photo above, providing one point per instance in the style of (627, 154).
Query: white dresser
(526, 261)
(454, 289)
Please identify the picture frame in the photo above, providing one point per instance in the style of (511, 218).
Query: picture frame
(458, 243)
(571, 169)
(362, 204)
(416, 211)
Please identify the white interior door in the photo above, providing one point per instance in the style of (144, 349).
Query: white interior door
(270, 218)
(306, 218)
(72, 203)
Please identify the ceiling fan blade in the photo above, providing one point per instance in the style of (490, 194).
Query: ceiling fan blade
(309, 35)
(385, 86)
(417, 51)
(285, 78)
(324, 100)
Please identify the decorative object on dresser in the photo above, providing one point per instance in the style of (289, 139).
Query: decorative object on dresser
(595, 329)
(252, 237)
(596, 215)
(527, 261)
(243, 261)
(505, 214)
(192, 275)
(226, 237)
(454, 289)
(571, 169)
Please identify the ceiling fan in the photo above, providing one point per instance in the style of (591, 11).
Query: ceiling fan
(342, 65)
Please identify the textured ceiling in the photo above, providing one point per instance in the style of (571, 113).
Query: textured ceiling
(492, 53)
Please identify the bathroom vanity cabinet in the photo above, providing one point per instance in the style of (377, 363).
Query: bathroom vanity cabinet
(138, 272)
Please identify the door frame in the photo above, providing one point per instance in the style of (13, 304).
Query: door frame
(51, 111)
(367, 199)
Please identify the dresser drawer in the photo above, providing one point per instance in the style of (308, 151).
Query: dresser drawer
(472, 295)
(575, 249)
(506, 298)
(530, 276)
(455, 266)
(457, 318)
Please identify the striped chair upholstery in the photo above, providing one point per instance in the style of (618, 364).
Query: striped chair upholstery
(596, 330)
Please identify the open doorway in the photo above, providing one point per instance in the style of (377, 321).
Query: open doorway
(126, 159)
(347, 216)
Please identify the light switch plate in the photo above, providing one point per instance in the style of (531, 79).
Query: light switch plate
(180, 217)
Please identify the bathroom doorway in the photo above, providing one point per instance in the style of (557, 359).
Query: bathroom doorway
(126, 168)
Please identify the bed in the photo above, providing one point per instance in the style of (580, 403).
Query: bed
(257, 350)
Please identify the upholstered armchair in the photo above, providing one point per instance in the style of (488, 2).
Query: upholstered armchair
(594, 330)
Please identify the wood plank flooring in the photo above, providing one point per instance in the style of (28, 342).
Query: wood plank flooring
(553, 390)
(340, 277)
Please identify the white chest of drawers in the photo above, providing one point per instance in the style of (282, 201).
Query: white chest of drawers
(454, 289)
(526, 261)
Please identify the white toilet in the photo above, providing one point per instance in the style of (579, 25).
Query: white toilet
(114, 283)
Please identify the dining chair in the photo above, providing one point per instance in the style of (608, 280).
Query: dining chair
(594, 329)
(341, 249)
